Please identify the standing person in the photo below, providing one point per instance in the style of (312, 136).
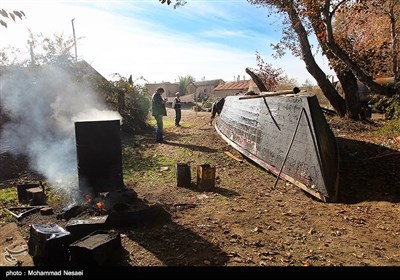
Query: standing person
(158, 111)
(216, 108)
(176, 104)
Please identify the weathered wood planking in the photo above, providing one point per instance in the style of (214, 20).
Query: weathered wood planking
(263, 130)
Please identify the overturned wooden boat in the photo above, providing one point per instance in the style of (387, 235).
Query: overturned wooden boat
(288, 135)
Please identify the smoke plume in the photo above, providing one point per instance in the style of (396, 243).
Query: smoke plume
(43, 103)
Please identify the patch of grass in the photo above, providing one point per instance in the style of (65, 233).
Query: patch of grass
(132, 159)
(166, 123)
(157, 160)
(187, 124)
(8, 196)
(183, 153)
(390, 129)
(145, 164)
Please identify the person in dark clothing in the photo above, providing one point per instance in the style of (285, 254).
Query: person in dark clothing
(216, 108)
(158, 111)
(176, 104)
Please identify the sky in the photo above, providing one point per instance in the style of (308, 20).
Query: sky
(207, 39)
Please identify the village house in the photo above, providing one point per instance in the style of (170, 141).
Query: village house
(231, 88)
(205, 89)
(199, 90)
(170, 88)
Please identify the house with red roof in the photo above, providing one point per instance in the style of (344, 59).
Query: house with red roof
(231, 88)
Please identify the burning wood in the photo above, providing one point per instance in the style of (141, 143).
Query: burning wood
(70, 212)
(100, 206)
(88, 198)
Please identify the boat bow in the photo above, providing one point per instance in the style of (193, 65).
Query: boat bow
(287, 135)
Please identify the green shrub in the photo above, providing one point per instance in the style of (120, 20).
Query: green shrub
(130, 100)
(390, 106)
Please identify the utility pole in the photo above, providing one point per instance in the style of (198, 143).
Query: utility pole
(195, 94)
(73, 32)
(31, 52)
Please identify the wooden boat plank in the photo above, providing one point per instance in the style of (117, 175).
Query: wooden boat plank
(263, 129)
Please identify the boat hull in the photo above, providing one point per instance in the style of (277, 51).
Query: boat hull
(288, 136)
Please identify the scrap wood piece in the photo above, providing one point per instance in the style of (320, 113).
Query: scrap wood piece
(233, 156)
(268, 94)
(28, 210)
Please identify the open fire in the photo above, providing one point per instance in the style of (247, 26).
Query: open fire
(100, 206)
(103, 204)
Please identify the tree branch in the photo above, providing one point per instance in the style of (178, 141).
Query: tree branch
(259, 83)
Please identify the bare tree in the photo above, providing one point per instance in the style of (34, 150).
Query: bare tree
(305, 17)
(389, 9)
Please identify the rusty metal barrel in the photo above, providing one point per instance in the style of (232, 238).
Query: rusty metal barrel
(183, 175)
(99, 155)
(205, 177)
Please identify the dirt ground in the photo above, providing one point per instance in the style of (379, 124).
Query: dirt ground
(245, 221)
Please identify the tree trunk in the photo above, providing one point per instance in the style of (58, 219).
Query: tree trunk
(395, 45)
(350, 90)
(348, 82)
(312, 67)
